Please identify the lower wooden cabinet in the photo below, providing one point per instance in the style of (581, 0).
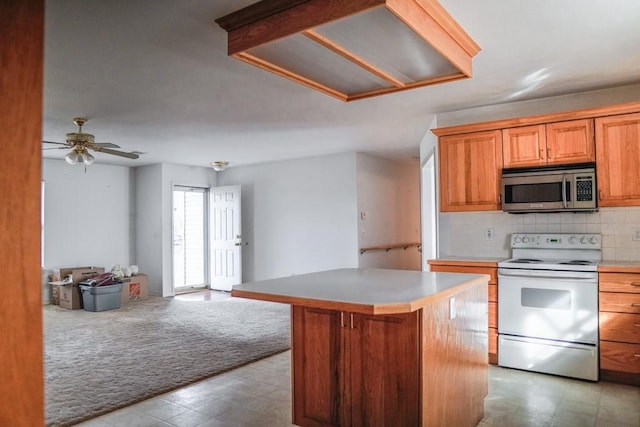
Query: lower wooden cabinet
(475, 267)
(423, 368)
(354, 369)
(620, 327)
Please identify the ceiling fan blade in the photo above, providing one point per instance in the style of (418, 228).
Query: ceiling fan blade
(56, 148)
(117, 153)
(57, 143)
(105, 145)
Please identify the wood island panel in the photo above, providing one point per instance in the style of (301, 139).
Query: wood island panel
(454, 362)
(478, 266)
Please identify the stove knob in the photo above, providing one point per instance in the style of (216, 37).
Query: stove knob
(525, 240)
(573, 240)
(593, 240)
(517, 239)
(584, 240)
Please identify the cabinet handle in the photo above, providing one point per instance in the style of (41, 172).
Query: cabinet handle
(635, 304)
(636, 355)
(548, 152)
(600, 194)
(637, 325)
(352, 327)
(542, 153)
(342, 319)
(635, 283)
(499, 199)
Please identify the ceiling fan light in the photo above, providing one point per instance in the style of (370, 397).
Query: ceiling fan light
(89, 159)
(71, 158)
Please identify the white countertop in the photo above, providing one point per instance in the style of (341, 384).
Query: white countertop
(373, 291)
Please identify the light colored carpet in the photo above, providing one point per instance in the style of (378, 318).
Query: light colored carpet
(96, 362)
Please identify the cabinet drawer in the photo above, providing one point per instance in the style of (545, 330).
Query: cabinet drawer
(619, 282)
(493, 314)
(617, 356)
(493, 293)
(491, 271)
(622, 327)
(619, 302)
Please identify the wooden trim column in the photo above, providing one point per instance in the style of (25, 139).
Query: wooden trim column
(21, 367)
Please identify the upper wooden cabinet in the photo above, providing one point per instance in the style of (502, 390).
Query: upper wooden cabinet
(618, 160)
(548, 144)
(471, 155)
(470, 169)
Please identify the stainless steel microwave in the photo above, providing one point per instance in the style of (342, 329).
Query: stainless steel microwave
(568, 188)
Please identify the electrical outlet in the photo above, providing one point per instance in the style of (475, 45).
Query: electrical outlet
(488, 234)
(636, 235)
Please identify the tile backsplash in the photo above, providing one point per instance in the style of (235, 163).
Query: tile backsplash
(467, 233)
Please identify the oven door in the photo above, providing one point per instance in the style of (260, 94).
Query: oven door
(554, 305)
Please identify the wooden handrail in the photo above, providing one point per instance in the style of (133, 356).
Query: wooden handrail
(387, 248)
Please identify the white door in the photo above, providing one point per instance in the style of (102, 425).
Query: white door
(226, 237)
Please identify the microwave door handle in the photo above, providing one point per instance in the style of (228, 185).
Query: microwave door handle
(564, 191)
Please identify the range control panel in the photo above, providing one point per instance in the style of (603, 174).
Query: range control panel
(556, 241)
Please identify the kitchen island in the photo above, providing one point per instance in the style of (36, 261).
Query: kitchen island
(373, 347)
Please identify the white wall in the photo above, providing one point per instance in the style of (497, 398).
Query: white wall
(576, 101)
(87, 216)
(154, 206)
(148, 224)
(298, 216)
(389, 211)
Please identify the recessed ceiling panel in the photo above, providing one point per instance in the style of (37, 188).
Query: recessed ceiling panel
(352, 49)
(381, 39)
(309, 59)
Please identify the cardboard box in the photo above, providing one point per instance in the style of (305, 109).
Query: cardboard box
(70, 297)
(55, 294)
(80, 273)
(135, 288)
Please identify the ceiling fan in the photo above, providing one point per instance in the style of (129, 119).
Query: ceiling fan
(80, 143)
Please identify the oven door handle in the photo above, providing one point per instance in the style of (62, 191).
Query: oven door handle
(564, 191)
(544, 275)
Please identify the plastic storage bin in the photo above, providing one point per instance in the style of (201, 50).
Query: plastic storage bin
(101, 298)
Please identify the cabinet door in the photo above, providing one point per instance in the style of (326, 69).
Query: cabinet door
(385, 367)
(570, 142)
(318, 363)
(618, 159)
(470, 169)
(524, 146)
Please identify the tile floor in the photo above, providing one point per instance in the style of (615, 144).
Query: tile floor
(259, 395)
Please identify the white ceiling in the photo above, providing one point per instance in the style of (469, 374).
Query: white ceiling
(153, 76)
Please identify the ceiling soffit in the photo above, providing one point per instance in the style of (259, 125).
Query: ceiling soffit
(352, 49)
